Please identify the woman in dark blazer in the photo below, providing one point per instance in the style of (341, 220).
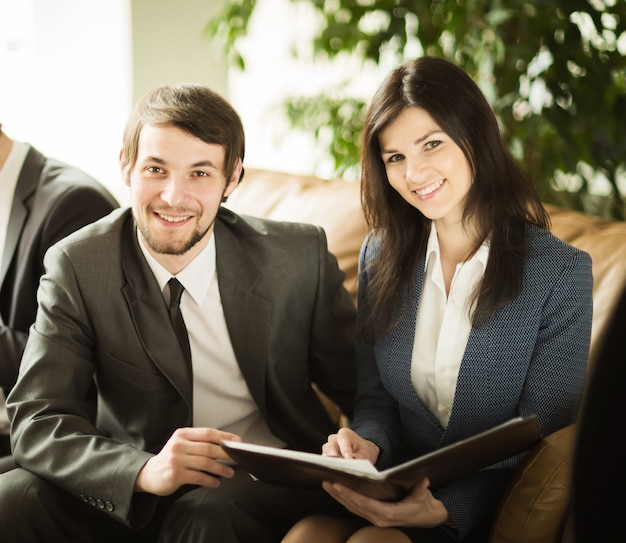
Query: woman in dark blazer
(470, 311)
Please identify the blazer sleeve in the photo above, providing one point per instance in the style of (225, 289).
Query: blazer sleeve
(553, 387)
(377, 417)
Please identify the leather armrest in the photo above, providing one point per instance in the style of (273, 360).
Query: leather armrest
(535, 505)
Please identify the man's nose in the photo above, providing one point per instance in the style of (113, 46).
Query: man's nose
(174, 190)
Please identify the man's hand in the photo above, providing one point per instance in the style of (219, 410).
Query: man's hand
(192, 456)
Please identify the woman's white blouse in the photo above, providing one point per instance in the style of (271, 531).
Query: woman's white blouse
(442, 328)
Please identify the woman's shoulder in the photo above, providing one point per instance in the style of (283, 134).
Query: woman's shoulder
(545, 247)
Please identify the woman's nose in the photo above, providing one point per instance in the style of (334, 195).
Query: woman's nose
(415, 169)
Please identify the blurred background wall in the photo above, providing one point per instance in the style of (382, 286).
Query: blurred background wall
(71, 70)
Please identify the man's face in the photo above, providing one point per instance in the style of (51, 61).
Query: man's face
(176, 187)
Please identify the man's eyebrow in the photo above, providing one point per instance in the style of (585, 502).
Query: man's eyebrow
(205, 164)
(154, 159)
(200, 164)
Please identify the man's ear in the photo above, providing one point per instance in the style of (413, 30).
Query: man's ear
(234, 180)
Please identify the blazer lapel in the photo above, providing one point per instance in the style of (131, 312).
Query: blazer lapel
(150, 315)
(247, 314)
(478, 380)
(398, 346)
(24, 189)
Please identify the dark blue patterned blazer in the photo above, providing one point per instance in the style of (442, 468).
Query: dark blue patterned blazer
(531, 358)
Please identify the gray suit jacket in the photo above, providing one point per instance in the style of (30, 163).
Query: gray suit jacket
(52, 200)
(103, 331)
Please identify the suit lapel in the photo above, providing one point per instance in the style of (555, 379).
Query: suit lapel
(150, 315)
(247, 314)
(24, 189)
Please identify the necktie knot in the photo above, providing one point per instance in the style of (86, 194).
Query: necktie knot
(176, 292)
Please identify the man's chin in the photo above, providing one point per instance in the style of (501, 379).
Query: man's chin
(165, 245)
(172, 249)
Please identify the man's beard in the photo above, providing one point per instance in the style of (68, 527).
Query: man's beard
(170, 247)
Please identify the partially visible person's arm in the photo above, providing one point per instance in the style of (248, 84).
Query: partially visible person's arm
(67, 211)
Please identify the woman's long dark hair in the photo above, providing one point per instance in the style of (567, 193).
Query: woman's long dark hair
(500, 202)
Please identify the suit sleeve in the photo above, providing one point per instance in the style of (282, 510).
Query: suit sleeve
(53, 406)
(332, 341)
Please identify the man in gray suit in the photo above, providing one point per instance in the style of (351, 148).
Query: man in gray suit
(116, 419)
(42, 200)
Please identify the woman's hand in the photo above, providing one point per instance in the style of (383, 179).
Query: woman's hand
(348, 444)
(419, 509)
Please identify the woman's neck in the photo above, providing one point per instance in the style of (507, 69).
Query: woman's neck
(455, 247)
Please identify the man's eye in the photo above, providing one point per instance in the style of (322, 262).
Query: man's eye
(154, 169)
(201, 174)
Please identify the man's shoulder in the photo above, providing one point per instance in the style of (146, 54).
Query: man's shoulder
(248, 225)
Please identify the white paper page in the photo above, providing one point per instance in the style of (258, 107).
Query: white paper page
(352, 465)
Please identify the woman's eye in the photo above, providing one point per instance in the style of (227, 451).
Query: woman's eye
(395, 158)
(432, 144)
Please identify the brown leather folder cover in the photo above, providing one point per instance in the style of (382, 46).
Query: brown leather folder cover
(442, 466)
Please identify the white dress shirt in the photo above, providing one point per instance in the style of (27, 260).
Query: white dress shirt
(9, 174)
(442, 327)
(221, 398)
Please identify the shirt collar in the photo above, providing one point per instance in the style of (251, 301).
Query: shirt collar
(196, 275)
(12, 167)
(432, 249)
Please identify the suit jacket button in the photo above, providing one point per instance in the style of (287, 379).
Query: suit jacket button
(100, 504)
(91, 501)
(84, 498)
(109, 507)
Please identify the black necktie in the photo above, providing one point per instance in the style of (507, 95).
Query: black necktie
(176, 291)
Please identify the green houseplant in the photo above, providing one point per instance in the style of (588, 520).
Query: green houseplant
(554, 71)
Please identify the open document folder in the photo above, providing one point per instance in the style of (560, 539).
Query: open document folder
(443, 466)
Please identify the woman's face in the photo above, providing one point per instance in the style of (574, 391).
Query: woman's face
(425, 166)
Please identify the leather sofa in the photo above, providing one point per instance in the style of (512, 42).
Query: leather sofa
(536, 506)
